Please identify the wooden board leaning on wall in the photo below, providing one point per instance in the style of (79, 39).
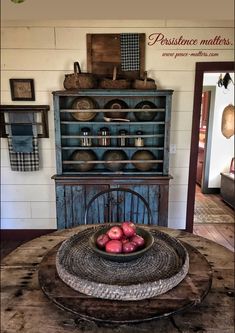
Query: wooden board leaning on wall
(103, 53)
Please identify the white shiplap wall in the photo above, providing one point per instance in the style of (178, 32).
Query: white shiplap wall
(45, 51)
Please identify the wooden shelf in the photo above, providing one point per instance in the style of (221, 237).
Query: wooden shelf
(112, 161)
(42, 109)
(111, 147)
(113, 110)
(112, 173)
(110, 123)
(112, 136)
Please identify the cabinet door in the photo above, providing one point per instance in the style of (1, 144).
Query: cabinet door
(151, 194)
(157, 197)
(71, 201)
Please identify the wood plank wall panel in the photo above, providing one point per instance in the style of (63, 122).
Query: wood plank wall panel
(10, 193)
(125, 23)
(29, 59)
(46, 51)
(28, 223)
(42, 177)
(44, 80)
(27, 37)
(180, 63)
(75, 38)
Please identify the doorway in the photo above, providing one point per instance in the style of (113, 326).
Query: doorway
(205, 138)
(201, 69)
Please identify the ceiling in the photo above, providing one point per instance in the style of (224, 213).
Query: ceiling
(118, 9)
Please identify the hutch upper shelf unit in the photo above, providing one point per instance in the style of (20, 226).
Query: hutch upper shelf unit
(141, 136)
(109, 138)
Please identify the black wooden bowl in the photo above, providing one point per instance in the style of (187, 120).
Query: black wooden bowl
(122, 257)
(145, 115)
(115, 105)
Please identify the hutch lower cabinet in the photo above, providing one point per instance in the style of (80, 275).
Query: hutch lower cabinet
(107, 139)
(74, 193)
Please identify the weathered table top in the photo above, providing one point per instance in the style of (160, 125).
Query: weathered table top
(26, 309)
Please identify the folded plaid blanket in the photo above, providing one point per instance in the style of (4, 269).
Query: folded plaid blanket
(24, 161)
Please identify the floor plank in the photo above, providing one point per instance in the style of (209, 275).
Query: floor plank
(221, 233)
(227, 231)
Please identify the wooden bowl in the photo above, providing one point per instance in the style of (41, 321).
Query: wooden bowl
(81, 104)
(145, 115)
(115, 105)
(112, 157)
(144, 155)
(86, 156)
(122, 257)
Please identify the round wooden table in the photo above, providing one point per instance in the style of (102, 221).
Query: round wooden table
(25, 308)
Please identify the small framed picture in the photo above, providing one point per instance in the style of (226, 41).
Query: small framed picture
(22, 89)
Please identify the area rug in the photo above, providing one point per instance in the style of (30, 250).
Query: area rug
(206, 211)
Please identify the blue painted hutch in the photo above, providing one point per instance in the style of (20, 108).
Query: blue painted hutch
(75, 185)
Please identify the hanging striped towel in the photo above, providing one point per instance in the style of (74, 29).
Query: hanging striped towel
(130, 52)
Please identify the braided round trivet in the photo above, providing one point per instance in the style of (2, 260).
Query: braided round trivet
(160, 269)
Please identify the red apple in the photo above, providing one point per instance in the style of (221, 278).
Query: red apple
(129, 229)
(129, 247)
(113, 246)
(138, 240)
(115, 232)
(124, 239)
(102, 240)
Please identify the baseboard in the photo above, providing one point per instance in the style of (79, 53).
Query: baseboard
(23, 234)
(214, 190)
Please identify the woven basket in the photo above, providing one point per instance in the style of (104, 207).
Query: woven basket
(79, 80)
(145, 83)
(160, 269)
(114, 83)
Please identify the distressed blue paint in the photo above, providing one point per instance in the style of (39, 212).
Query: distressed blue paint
(72, 199)
(60, 207)
(57, 135)
(167, 136)
(66, 127)
(78, 204)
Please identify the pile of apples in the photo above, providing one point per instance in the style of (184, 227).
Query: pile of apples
(120, 239)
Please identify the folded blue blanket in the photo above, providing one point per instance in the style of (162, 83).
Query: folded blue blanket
(22, 144)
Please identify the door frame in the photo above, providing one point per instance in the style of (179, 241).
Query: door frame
(201, 68)
(206, 165)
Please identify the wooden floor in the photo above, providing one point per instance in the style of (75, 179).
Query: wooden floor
(221, 233)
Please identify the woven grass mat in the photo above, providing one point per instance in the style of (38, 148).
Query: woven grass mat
(160, 269)
(206, 211)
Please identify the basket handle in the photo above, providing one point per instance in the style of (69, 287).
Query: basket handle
(114, 73)
(76, 68)
(145, 77)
